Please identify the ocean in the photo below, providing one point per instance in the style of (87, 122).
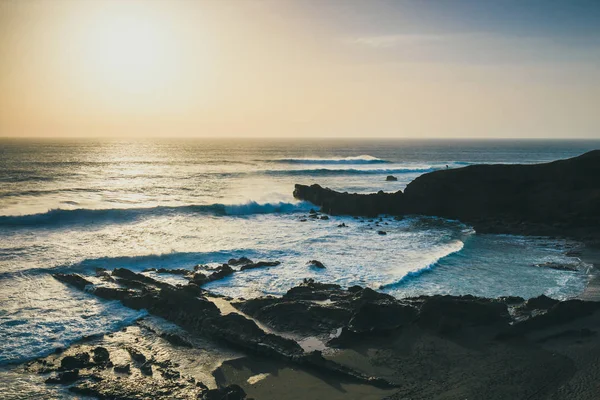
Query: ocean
(80, 205)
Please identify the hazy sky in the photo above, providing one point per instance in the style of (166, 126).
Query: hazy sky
(282, 68)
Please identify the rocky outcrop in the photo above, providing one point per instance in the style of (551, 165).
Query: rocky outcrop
(557, 198)
(316, 264)
(187, 306)
(336, 203)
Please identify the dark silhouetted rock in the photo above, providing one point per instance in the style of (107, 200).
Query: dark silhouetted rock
(240, 261)
(558, 266)
(232, 392)
(260, 264)
(378, 316)
(64, 377)
(447, 314)
(382, 232)
(123, 368)
(75, 280)
(78, 361)
(557, 198)
(101, 355)
(542, 302)
(391, 178)
(336, 203)
(316, 264)
(136, 355)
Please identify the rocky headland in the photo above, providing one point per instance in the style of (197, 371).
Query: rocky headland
(561, 198)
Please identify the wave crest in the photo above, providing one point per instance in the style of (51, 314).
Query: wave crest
(346, 171)
(412, 275)
(83, 216)
(362, 159)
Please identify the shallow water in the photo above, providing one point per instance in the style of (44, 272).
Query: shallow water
(75, 206)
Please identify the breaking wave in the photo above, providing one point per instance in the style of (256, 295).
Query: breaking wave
(63, 217)
(363, 159)
(346, 171)
(413, 275)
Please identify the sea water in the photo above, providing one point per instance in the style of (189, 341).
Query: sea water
(73, 206)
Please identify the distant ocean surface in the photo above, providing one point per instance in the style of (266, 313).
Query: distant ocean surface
(78, 205)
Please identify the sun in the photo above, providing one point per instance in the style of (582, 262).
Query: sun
(129, 51)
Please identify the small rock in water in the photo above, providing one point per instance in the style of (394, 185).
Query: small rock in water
(316, 264)
(558, 266)
(391, 178)
(260, 264)
(312, 211)
(382, 232)
(324, 217)
(342, 225)
(239, 261)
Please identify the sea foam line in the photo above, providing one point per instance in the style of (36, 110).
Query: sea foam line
(412, 275)
(62, 217)
(362, 159)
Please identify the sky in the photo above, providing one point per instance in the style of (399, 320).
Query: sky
(300, 68)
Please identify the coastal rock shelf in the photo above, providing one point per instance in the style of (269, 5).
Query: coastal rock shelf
(385, 345)
(557, 198)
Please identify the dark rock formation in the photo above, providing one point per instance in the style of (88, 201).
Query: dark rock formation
(240, 261)
(75, 280)
(81, 360)
(557, 198)
(316, 264)
(540, 303)
(219, 273)
(391, 178)
(101, 355)
(336, 203)
(123, 368)
(447, 314)
(558, 266)
(232, 392)
(260, 264)
(64, 377)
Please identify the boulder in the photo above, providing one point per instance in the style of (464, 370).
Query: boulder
(78, 361)
(65, 377)
(316, 264)
(101, 355)
(391, 178)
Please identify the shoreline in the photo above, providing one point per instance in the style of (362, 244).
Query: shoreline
(386, 348)
(591, 255)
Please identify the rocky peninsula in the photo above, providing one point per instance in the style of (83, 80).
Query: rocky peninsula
(560, 198)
